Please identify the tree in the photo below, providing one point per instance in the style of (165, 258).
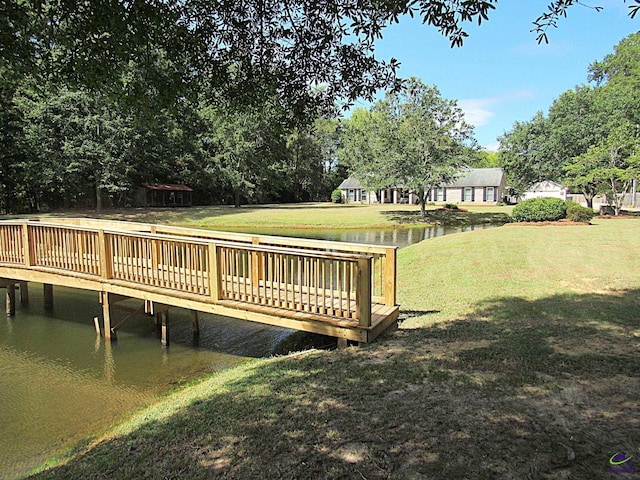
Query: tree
(247, 147)
(240, 50)
(615, 163)
(581, 175)
(484, 159)
(414, 138)
(77, 141)
(526, 155)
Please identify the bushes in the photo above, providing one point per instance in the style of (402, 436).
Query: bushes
(336, 196)
(578, 213)
(550, 209)
(540, 210)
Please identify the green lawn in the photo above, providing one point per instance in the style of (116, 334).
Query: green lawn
(309, 215)
(517, 357)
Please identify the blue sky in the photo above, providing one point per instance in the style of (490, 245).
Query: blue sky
(501, 75)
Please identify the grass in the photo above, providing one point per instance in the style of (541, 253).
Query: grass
(304, 216)
(517, 357)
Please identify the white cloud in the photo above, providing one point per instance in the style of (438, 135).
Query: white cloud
(492, 147)
(477, 111)
(480, 111)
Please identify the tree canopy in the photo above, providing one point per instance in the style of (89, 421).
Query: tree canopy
(412, 138)
(245, 50)
(589, 139)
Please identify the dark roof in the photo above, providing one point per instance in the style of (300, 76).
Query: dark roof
(350, 182)
(478, 177)
(169, 187)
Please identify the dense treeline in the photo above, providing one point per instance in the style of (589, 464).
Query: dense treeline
(69, 147)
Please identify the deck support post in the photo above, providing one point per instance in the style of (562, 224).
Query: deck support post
(341, 343)
(106, 317)
(24, 293)
(195, 322)
(48, 296)
(11, 300)
(164, 317)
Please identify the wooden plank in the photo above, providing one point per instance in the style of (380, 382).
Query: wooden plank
(214, 273)
(104, 255)
(390, 277)
(363, 293)
(26, 249)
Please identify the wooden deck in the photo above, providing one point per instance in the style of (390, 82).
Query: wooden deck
(338, 289)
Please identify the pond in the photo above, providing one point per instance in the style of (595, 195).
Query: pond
(400, 237)
(60, 384)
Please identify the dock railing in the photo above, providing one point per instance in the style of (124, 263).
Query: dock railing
(383, 264)
(318, 277)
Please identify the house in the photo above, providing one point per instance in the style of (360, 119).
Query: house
(473, 185)
(545, 188)
(353, 191)
(164, 195)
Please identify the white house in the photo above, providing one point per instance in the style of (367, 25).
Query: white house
(353, 191)
(473, 185)
(545, 188)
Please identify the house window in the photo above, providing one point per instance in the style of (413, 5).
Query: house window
(440, 195)
(352, 195)
(490, 194)
(468, 194)
(364, 195)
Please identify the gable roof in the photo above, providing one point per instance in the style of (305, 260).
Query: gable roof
(350, 182)
(545, 186)
(478, 177)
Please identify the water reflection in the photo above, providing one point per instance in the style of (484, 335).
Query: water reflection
(400, 237)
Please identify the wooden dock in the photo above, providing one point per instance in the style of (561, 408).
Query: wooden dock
(343, 290)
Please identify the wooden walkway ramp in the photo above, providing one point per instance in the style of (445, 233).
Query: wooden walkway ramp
(338, 289)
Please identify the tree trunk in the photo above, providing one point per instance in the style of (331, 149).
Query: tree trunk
(236, 198)
(589, 199)
(422, 200)
(98, 199)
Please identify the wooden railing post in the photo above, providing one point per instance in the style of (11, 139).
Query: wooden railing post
(214, 272)
(363, 291)
(103, 252)
(255, 264)
(26, 245)
(390, 277)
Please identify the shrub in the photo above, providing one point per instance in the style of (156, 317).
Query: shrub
(336, 196)
(578, 213)
(451, 206)
(539, 210)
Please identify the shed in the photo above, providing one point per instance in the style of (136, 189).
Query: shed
(164, 195)
(545, 188)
